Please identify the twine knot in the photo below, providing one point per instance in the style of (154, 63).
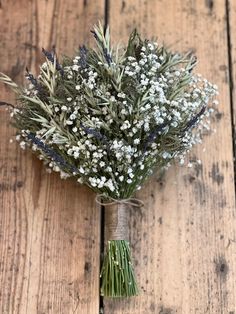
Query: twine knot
(135, 202)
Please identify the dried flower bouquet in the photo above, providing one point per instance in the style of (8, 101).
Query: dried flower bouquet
(109, 117)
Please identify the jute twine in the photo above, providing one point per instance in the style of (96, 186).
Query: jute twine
(116, 217)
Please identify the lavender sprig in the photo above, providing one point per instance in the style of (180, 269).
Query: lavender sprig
(95, 133)
(152, 136)
(83, 56)
(33, 81)
(106, 54)
(95, 35)
(51, 57)
(194, 120)
(51, 153)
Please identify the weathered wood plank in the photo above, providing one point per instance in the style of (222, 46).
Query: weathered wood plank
(231, 6)
(184, 240)
(49, 228)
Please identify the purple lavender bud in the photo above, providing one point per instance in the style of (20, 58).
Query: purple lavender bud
(95, 35)
(107, 56)
(102, 138)
(33, 81)
(95, 133)
(51, 57)
(105, 51)
(83, 56)
(194, 120)
(51, 153)
(152, 136)
(48, 55)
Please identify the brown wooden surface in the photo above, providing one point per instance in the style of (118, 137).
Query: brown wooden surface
(183, 241)
(50, 229)
(231, 5)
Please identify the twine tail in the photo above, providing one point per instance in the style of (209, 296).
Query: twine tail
(117, 273)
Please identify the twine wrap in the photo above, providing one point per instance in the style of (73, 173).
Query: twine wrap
(116, 222)
(116, 216)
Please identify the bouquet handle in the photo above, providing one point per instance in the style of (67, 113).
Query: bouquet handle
(117, 273)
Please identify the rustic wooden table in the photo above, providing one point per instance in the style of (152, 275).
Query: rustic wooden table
(184, 240)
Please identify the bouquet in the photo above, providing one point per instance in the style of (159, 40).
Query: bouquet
(109, 117)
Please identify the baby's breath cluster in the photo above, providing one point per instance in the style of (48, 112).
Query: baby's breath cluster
(110, 116)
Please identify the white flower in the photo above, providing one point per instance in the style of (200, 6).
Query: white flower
(121, 95)
(81, 170)
(150, 46)
(64, 108)
(110, 185)
(125, 125)
(76, 155)
(69, 122)
(93, 181)
(75, 67)
(102, 164)
(121, 178)
(109, 169)
(44, 66)
(181, 162)
(22, 144)
(80, 180)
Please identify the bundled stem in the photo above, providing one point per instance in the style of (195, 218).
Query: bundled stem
(118, 279)
(117, 274)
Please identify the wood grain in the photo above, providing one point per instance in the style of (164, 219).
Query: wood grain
(184, 240)
(49, 228)
(231, 7)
